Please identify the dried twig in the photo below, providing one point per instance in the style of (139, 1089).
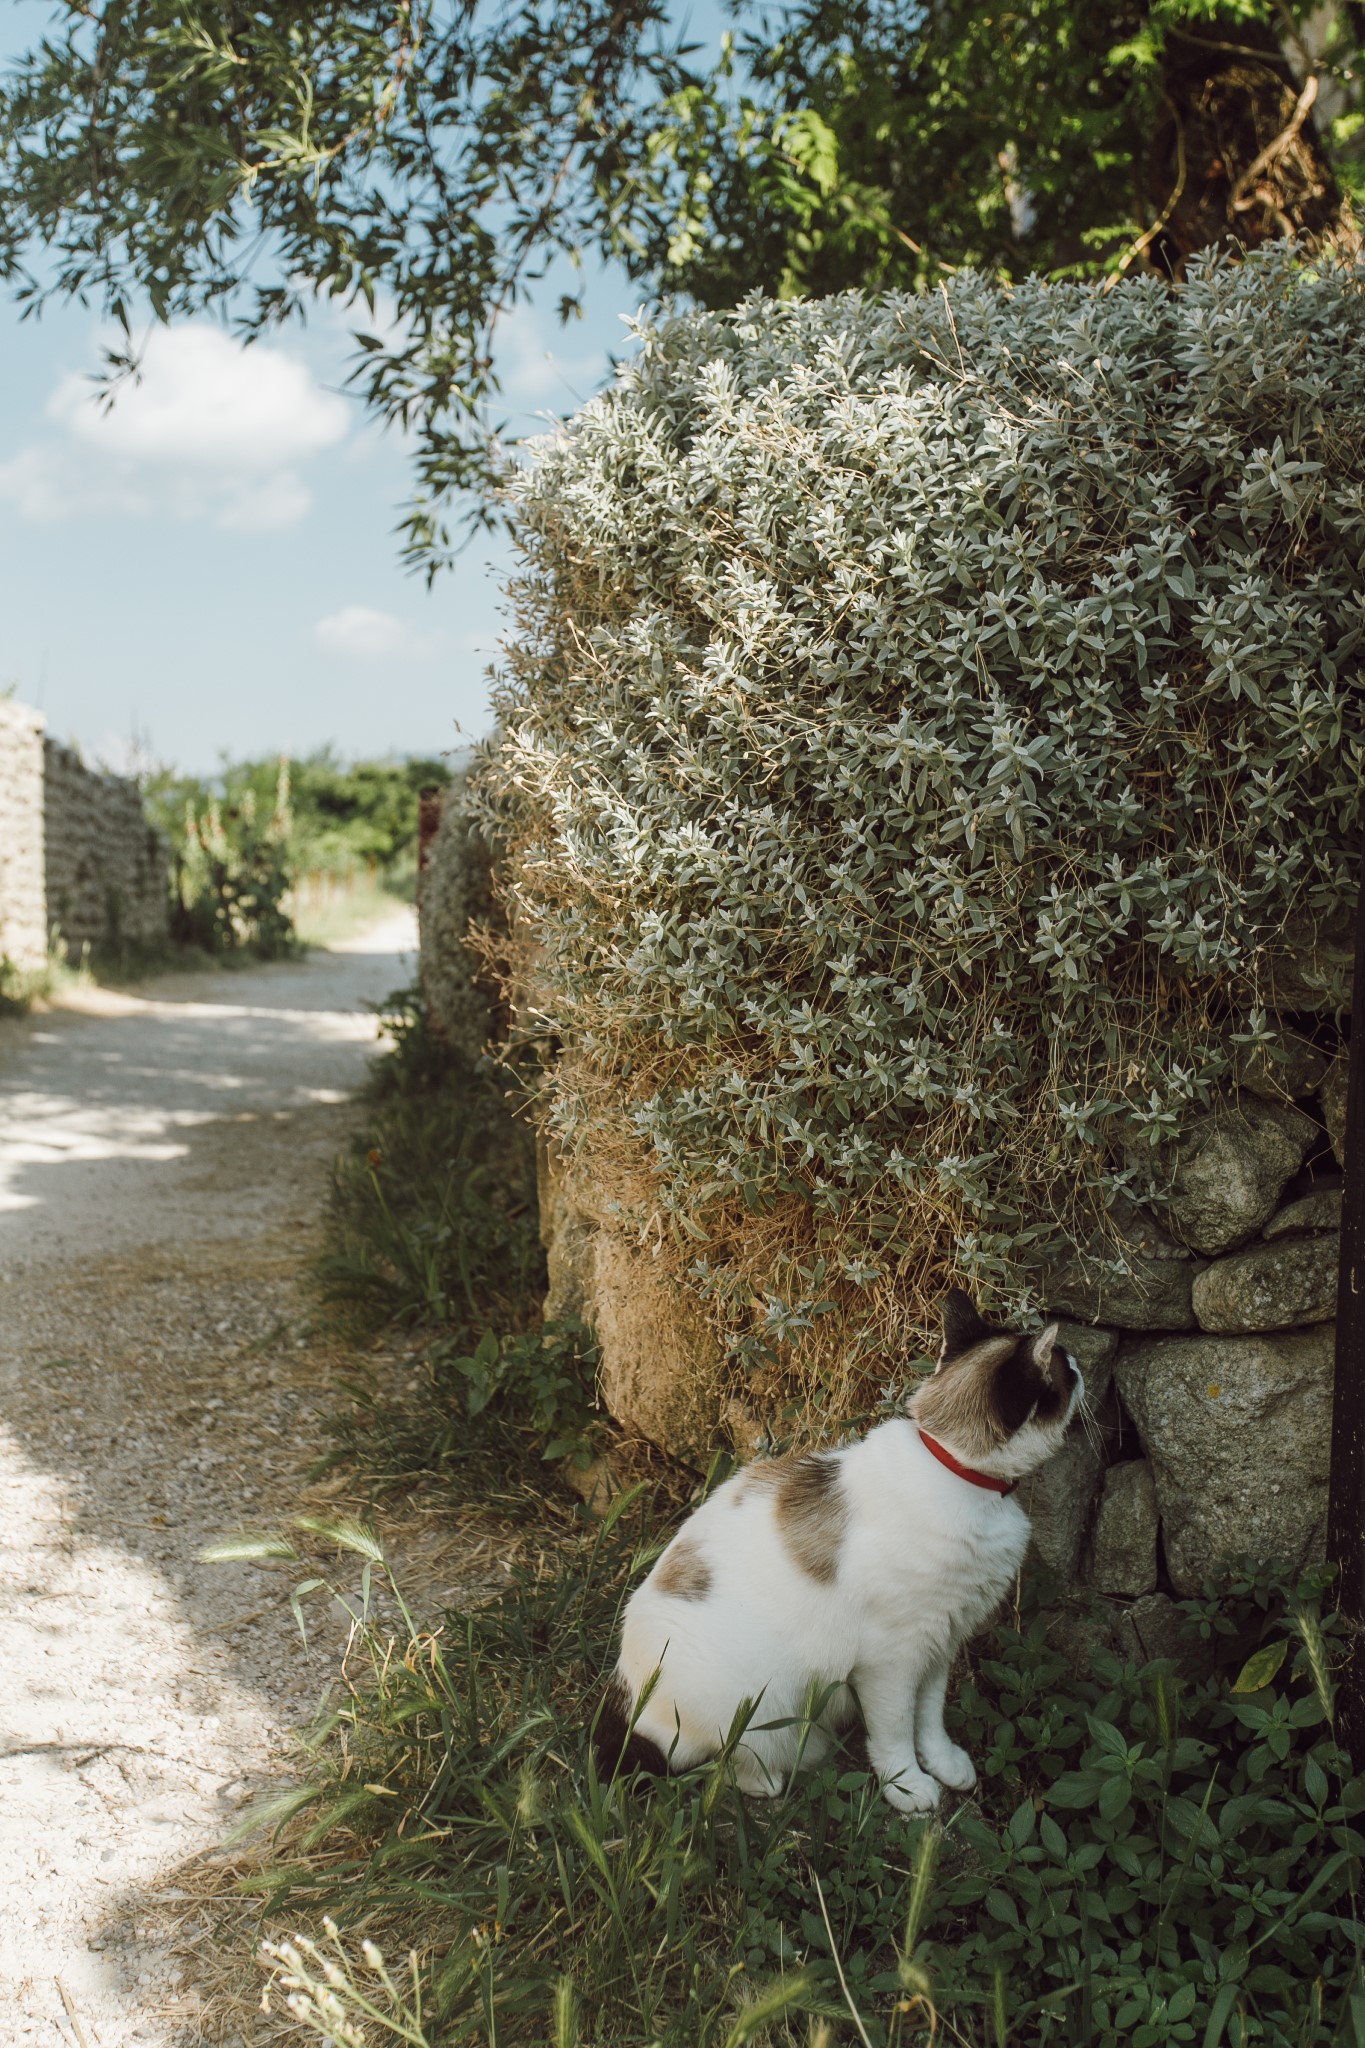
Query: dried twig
(1242, 196)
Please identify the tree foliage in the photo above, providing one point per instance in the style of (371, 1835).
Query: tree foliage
(425, 161)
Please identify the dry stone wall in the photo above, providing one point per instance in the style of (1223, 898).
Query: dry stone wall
(1212, 1414)
(79, 862)
(23, 913)
(1202, 1321)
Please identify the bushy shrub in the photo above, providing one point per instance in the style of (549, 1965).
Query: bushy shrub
(455, 893)
(232, 876)
(931, 720)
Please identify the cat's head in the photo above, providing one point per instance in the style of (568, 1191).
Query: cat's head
(1000, 1401)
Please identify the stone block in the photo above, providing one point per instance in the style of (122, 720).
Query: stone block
(660, 1369)
(1123, 1548)
(1230, 1168)
(1137, 1279)
(1153, 1628)
(1237, 1430)
(1270, 1287)
(1094, 1351)
(1318, 1210)
(1285, 1068)
(1059, 1498)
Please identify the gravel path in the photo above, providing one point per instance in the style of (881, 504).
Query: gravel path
(163, 1157)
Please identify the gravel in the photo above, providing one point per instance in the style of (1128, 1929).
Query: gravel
(163, 1158)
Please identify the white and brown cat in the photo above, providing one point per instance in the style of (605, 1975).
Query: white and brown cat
(851, 1576)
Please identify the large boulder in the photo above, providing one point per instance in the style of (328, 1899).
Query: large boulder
(1270, 1287)
(1123, 1550)
(660, 1365)
(1237, 1430)
(1059, 1498)
(1229, 1168)
(1136, 1279)
(660, 1369)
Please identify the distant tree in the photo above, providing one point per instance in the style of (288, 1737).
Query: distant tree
(429, 159)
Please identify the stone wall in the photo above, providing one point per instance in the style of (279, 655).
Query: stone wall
(1207, 1346)
(105, 868)
(1205, 1337)
(1206, 1343)
(78, 860)
(23, 916)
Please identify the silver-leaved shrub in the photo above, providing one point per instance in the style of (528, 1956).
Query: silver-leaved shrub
(929, 720)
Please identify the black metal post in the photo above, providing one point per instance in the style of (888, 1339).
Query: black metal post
(1346, 1486)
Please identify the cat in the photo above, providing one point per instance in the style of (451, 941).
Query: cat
(843, 1582)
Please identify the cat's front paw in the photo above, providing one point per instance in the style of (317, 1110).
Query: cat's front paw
(911, 1790)
(950, 1765)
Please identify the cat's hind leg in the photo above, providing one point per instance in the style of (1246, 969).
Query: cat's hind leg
(937, 1751)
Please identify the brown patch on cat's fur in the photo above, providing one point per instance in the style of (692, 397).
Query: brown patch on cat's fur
(809, 1510)
(683, 1572)
(958, 1403)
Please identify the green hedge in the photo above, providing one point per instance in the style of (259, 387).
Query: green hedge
(928, 717)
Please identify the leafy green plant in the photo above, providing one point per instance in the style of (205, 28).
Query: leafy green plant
(432, 1214)
(232, 876)
(439, 158)
(1155, 1855)
(433, 1227)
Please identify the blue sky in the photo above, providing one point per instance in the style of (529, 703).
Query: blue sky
(211, 568)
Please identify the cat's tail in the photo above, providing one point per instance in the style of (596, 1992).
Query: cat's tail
(617, 1746)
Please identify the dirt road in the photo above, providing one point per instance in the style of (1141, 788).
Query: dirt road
(163, 1157)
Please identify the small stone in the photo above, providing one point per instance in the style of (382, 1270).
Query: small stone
(1332, 1098)
(1123, 1550)
(1311, 971)
(1138, 1280)
(1229, 1169)
(1094, 1352)
(1059, 1498)
(1318, 1210)
(1271, 1287)
(1153, 1628)
(1284, 1068)
(1237, 1430)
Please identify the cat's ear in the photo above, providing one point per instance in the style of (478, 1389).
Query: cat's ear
(1014, 1393)
(962, 1326)
(1044, 1344)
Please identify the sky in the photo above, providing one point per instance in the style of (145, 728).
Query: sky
(211, 569)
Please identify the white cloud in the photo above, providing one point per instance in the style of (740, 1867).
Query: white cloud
(358, 633)
(211, 431)
(204, 401)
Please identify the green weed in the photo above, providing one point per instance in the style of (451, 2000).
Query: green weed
(433, 1226)
(1153, 1857)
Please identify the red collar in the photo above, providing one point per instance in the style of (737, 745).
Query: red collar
(986, 1479)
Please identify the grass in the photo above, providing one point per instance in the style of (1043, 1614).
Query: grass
(1155, 1856)
(22, 987)
(1158, 1854)
(433, 1226)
